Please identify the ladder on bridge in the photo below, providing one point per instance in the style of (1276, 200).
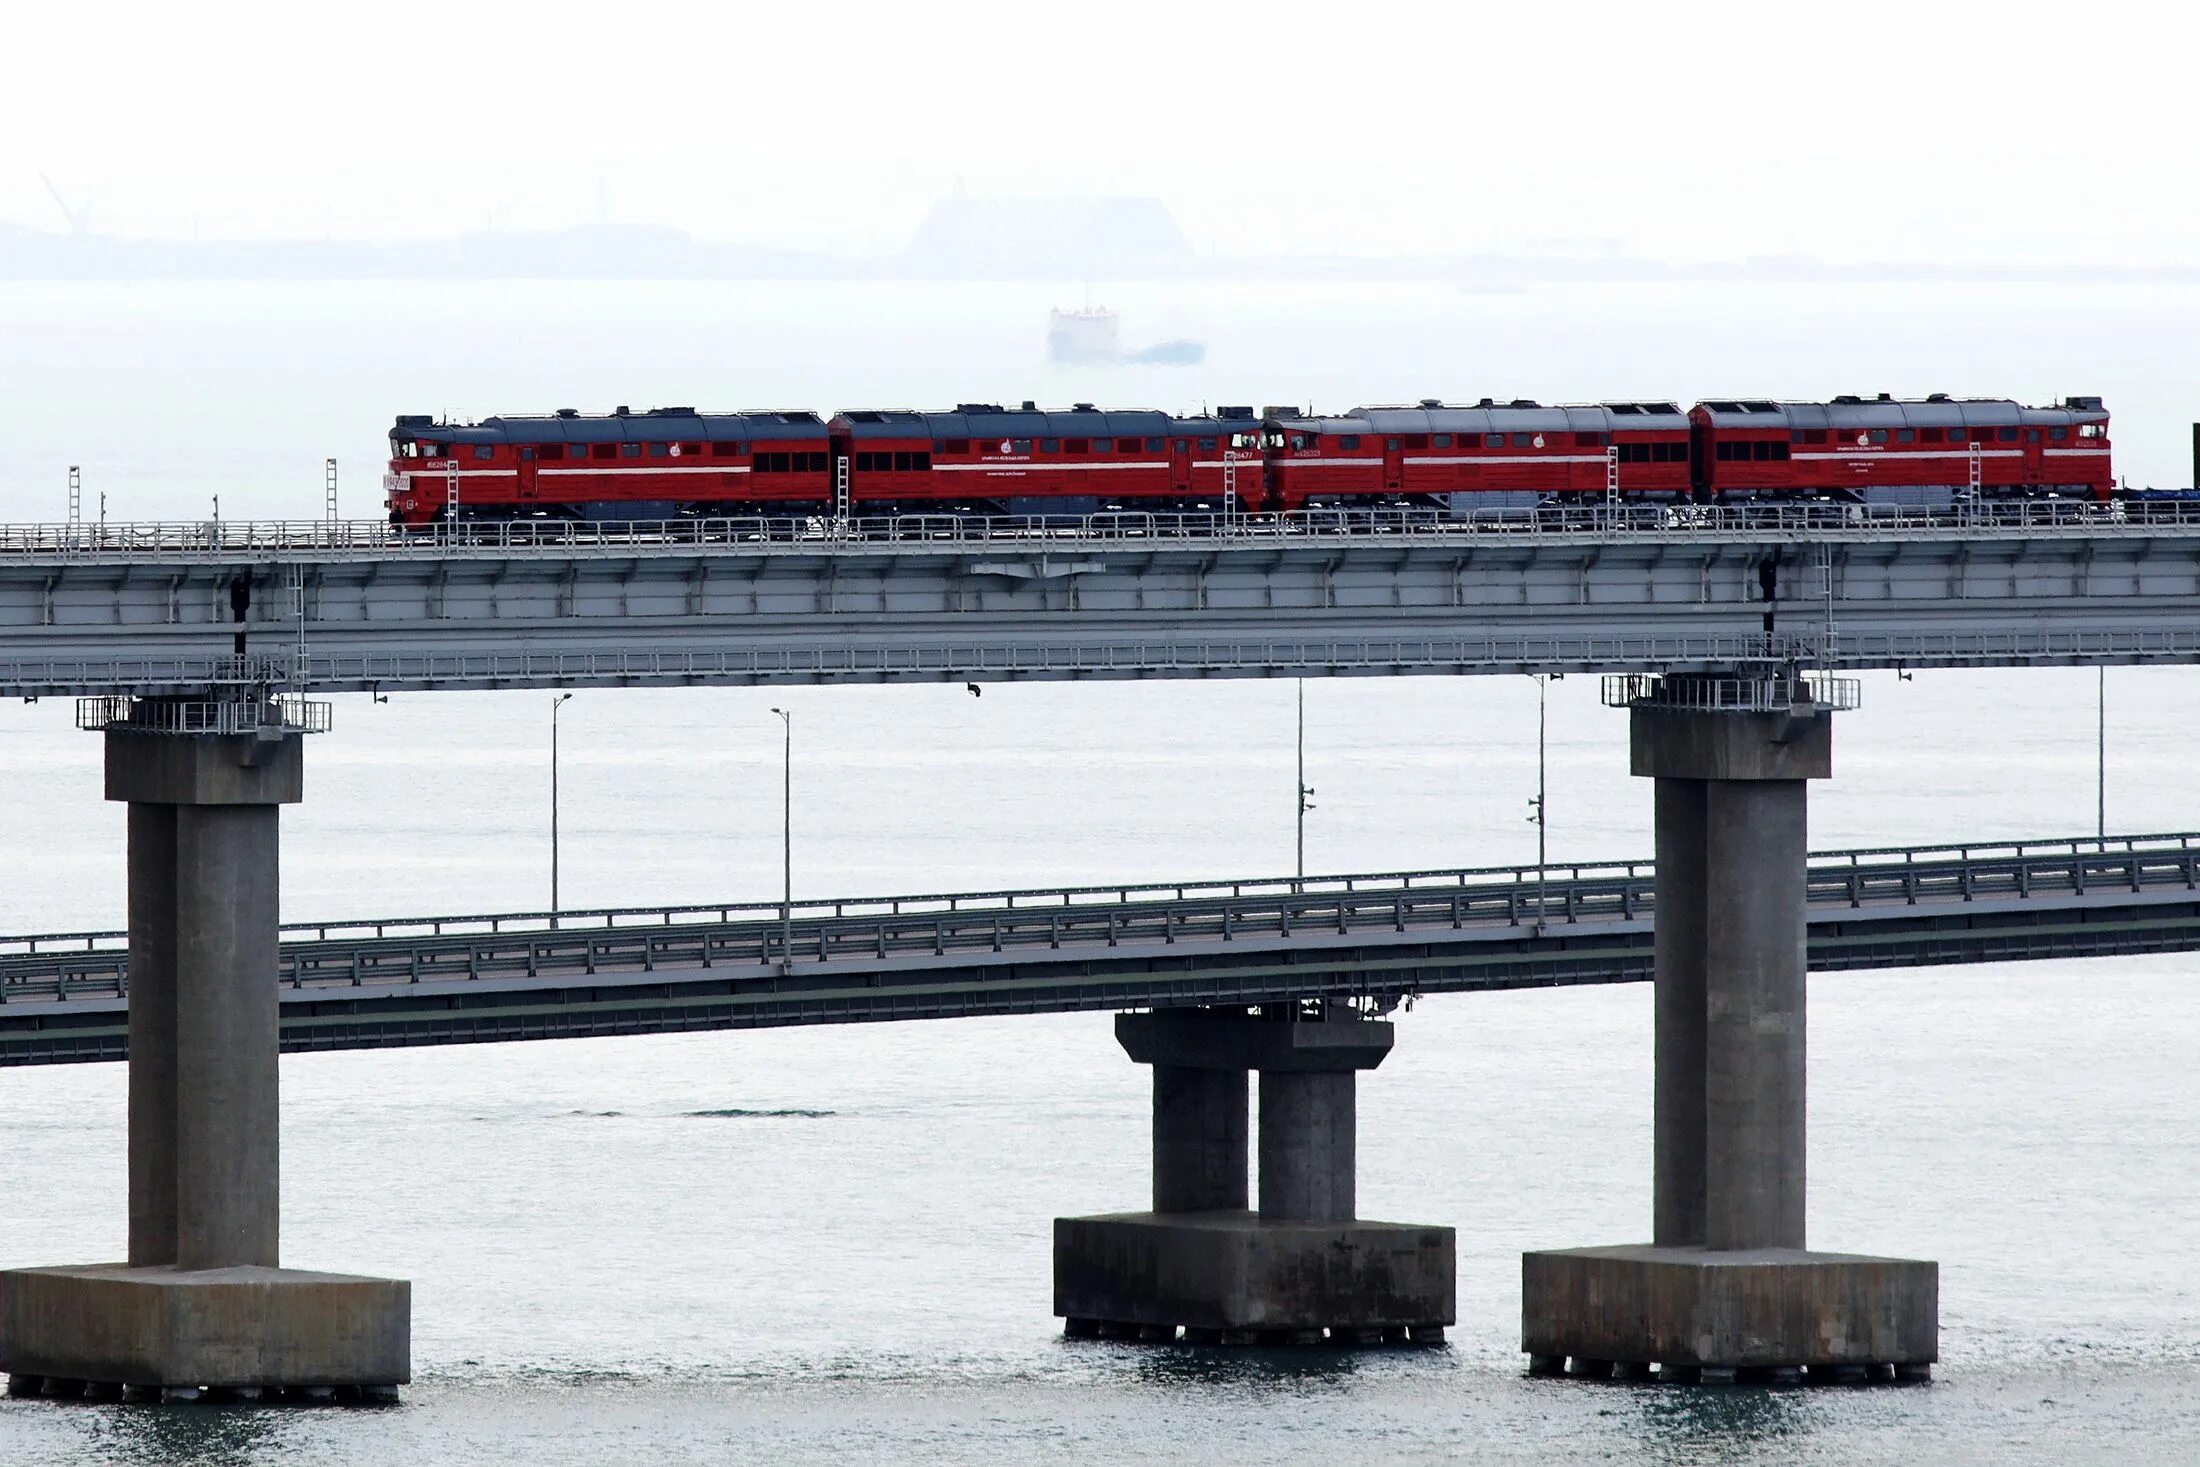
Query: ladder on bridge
(1611, 475)
(1229, 484)
(843, 497)
(450, 496)
(328, 489)
(1978, 470)
(298, 666)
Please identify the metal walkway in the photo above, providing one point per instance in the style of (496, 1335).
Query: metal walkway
(336, 607)
(451, 980)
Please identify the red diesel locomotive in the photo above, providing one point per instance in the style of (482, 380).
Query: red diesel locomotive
(1489, 456)
(1886, 451)
(982, 458)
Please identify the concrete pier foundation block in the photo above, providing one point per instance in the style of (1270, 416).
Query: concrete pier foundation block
(1225, 1271)
(1727, 1288)
(1299, 1269)
(231, 1328)
(202, 1303)
(1698, 1308)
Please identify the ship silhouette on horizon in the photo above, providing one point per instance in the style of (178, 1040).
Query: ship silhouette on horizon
(1090, 337)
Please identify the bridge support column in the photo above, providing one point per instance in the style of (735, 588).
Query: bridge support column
(1726, 1288)
(1302, 1269)
(202, 1303)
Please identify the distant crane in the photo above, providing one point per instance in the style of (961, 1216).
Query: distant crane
(79, 215)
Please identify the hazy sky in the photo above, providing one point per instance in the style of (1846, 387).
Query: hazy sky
(2024, 131)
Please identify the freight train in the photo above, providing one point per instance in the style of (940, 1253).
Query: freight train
(1936, 452)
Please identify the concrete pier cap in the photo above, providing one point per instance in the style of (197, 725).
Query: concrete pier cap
(1726, 1289)
(202, 1303)
(1302, 1267)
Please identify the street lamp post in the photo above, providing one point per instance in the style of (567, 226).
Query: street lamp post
(555, 708)
(1304, 789)
(786, 841)
(1540, 804)
(2100, 747)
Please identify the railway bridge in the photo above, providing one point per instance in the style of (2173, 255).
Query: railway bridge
(195, 650)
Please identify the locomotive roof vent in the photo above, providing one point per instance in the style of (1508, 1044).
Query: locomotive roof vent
(1432, 402)
(1280, 410)
(413, 420)
(1886, 397)
(1760, 407)
(1486, 402)
(1936, 397)
(978, 407)
(1082, 407)
(1846, 397)
(1525, 402)
(1234, 414)
(569, 412)
(1030, 406)
(2084, 404)
(672, 412)
(1626, 407)
(619, 411)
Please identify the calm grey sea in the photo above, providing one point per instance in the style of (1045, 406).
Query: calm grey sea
(833, 1245)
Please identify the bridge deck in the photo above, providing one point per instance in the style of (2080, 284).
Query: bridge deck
(138, 609)
(441, 980)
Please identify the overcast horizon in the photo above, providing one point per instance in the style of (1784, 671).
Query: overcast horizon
(2009, 134)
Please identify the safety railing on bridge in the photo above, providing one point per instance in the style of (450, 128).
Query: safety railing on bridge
(378, 538)
(624, 942)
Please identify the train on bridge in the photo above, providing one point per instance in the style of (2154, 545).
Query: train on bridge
(1937, 452)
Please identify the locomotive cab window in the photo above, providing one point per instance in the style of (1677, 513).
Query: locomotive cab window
(2093, 430)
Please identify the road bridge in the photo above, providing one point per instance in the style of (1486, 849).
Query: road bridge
(1376, 938)
(334, 607)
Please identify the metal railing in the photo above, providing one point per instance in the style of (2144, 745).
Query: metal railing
(1774, 692)
(282, 713)
(1127, 528)
(863, 933)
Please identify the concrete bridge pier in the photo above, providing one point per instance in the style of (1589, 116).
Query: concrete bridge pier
(202, 1304)
(1302, 1268)
(1726, 1289)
